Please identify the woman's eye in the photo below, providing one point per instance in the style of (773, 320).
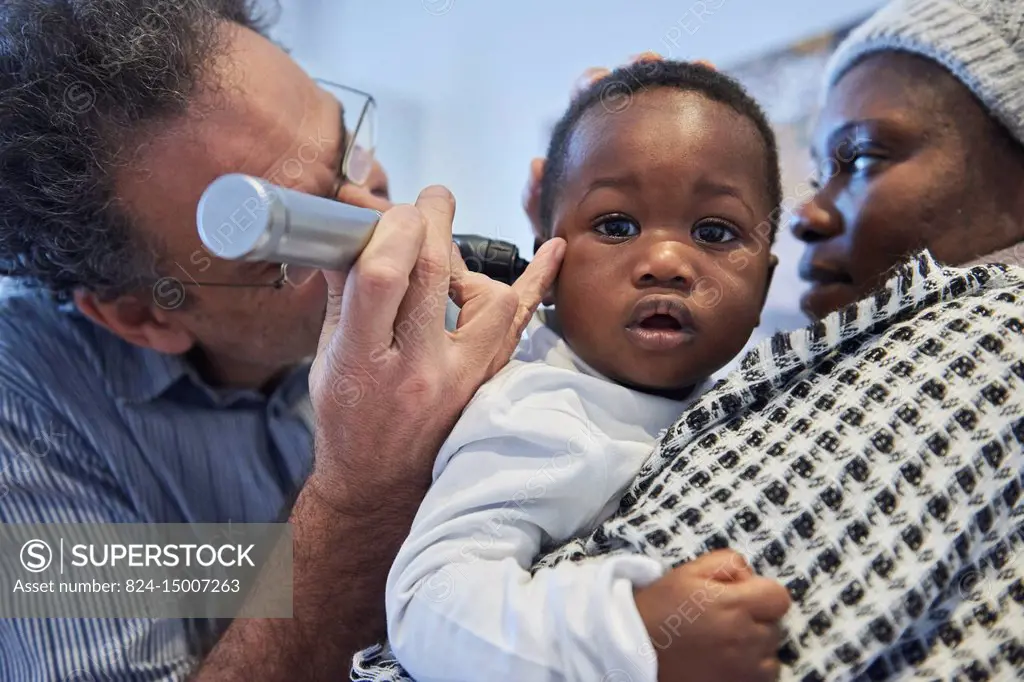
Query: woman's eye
(714, 233)
(619, 228)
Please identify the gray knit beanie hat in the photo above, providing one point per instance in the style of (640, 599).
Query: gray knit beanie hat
(981, 42)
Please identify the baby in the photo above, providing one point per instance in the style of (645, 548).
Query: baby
(662, 178)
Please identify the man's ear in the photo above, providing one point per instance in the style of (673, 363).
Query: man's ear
(773, 261)
(137, 321)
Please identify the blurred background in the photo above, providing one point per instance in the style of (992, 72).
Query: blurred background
(468, 90)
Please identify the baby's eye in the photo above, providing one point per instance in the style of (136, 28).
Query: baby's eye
(713, 232)
(617, 227)
(863, 161)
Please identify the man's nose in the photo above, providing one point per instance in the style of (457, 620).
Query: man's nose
(665, 263)
(811, 222)
(361, 196)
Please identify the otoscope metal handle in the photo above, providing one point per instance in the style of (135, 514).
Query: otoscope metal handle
(241, 217)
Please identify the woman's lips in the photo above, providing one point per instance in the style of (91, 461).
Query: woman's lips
(824, 297)
(832, 286)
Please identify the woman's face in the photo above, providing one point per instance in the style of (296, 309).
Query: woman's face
(906, 159)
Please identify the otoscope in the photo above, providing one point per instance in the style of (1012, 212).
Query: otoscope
(241, 217)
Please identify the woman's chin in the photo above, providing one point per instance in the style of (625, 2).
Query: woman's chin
(822, 299)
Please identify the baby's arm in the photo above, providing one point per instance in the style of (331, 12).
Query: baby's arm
(461, 602)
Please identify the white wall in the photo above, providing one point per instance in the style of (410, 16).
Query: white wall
(467, 88)
(477, 80)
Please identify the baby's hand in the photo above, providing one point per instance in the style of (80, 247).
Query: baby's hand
(713, 619)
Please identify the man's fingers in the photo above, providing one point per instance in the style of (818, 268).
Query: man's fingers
(488, 309)
(332, 313)
(378, 282)
(493, 314)
(766, 600)
(422, 312)
(458, 268)
(535, 281)
(541, 273)
(437, 204)
(528, 289)
(465, 284)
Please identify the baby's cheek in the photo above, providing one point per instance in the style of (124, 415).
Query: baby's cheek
(723, 289)
(739, 304)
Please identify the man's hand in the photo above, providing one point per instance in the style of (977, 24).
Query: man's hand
(387, 384)
(388, 381)
(713, 619)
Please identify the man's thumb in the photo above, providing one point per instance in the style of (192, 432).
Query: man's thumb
(332, 315)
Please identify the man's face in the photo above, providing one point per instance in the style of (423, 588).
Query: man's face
(266, 118)
(907, 160)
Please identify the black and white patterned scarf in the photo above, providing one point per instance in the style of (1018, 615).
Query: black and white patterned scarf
(873, 463)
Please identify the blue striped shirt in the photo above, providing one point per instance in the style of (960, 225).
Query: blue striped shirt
(94, 429)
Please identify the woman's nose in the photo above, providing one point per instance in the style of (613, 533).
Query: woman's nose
(665, 264)
(811, 222)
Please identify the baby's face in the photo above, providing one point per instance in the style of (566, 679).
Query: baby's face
(665, 210)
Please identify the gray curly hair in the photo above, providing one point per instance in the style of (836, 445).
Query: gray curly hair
(79, 80)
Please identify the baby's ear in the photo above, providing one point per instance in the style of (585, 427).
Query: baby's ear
(773, 261)
(531, 198)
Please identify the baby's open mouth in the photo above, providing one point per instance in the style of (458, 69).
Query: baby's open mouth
(660, 321)
(658, 313)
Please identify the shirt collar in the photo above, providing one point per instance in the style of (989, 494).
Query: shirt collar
(138, 375)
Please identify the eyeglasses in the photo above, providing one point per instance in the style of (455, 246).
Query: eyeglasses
(289, 275)
(359, 136)
(359, 132)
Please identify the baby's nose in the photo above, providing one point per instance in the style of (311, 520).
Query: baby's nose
(666, 263)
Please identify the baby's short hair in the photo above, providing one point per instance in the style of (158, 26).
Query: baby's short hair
(647, 75)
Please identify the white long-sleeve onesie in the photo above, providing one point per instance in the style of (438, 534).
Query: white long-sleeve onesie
(541, 454)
